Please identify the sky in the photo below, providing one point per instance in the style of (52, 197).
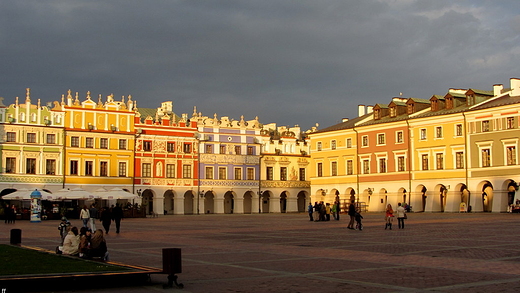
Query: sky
(297, 62)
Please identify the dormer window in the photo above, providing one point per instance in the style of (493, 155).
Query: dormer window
(377, 114)
(393, 111)
(411, 108)
(449, 103)
(435, 105)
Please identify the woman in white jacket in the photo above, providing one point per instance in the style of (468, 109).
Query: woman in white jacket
(84, 215)
(401, 215)
(71, 242)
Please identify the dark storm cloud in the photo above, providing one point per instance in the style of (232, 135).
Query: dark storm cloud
(290, 62)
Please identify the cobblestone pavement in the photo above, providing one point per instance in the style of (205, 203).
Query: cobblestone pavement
(436, 252)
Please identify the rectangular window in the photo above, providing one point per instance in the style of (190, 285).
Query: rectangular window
(458, 130)
(510, 122)
(333, 144)
(30, 166)
(238, 150)
(89, 142)
(222, 149)
(50, 167)
(186, 171)
(269, 173)
(438, 132)
(250, 150)
(170, 171)
(209, 173)
(146, 170)
(399, 137)
(334, 169)
(51, 138)
(11, 137)
(122, 169)
(250, 173)
(382, 165)
(73, 167)
(381, 139)
(364, 141)
(238, 173)
(122, 144)
(439, 158)
(366, 167)
(302, 174)
(511, 155)
(283, 173)
(74, 141)
(400, 164)
(89, 168)
(103, 168)
(319, 146)
(103, 143)
(320, 170)
(459, 157)
(486, 157)
(209, 149)
(222, 173)
(31, 137)
(349, 142)
(424, 160)
(147, 145)
(187, 148)
(485, 126)
(423, 134)
(10, 165)
(350, 167)
(170, 147)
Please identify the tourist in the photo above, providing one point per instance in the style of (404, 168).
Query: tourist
(310, 210)
(401, 215)
(84, 215)
(316, 211)
(117, 215)
(327, 212)
(106, 219)
(84, 241)
(93, 216)
(7, 214)
(352, 215)
(64, 228)
(358, 218)
(71, 242)
(389, 216)
(98, 245)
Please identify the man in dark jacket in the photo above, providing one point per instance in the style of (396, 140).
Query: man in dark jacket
(352, 214)
(117, 214)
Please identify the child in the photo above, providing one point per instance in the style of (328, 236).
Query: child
(64, 229)
(358, 217)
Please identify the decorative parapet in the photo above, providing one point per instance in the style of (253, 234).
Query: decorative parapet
(168, 181)
(286, 184)
(230, 183)
(229, 159)
(31, 179)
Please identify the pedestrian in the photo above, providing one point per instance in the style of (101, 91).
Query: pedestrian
(98, 245)
(106, 219)
(12, 218)
(334, 211)
(322, 211)
(327, 212)
(84, 242)
(358, 217)
(316, 211)
(117, 215)
(7, 214)
(71, 242)
(352, 215)
(93, 216)
(310, 210)
(401, 215)
(389, 216)
(338, 210)
(63, 227)
(84, 215)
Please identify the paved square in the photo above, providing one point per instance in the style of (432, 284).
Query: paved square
(436, 252)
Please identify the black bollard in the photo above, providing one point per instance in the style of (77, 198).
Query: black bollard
(16, 236)
(172, 264)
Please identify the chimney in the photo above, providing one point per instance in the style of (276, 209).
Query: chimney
(497, 89)
(370, 109)
(344, 120)
(515, 86)
(361, 110)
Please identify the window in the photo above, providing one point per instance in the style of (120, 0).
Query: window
(269, 173)
(511, 155)
(222, 173)
(411, 108)
(103, 143)
(122, 144)
(147, 145)
(89, 142)
(146, 170)
(89, 168)
(209, 172)
(170, 147)
(381, 139)
(31, 137)
(510, 122)
(393, 111)
(186, 171)
(103, 168)
(349, 142)
(74, 141)
(50, 167)
(319, 146)
(458, 130)
(439, 159)
(366, 167)
(302, 174)
(423, 134)
(485, 126)
(459, 157)
(350, 167)
(122, 169)
(333, 144)
(170, 171)
(250, 150)
(51, 138)
(486, 157)
(11, 137)
(209, 149)
(187, 148)
(438, 132)
(364, 141)
(382, 165)
(222, 149)
(400, 164)
(73, 167)
(399, 137)
(334, 169)
(283, 173)
(424, 160)
(238, 173)
(238, 150)
(250, 173)
(320, 170)
(10, 165)
(30, 166)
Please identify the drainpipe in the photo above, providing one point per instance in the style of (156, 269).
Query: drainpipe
(357, 163)
(466, 151)
(409, 161)
(64, 156)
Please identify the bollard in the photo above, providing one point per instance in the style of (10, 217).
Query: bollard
(16, 236)
(172, 264)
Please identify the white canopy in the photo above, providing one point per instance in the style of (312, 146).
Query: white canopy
(114, 193)
(75, 193)
(25, 194)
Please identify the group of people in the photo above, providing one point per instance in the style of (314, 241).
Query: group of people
(389, 216)
(10, 214)
(82, 243)
(106, 216)
(321, 211)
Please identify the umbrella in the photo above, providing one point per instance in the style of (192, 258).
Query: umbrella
(25, 194)
(114, 193)
(75, 193)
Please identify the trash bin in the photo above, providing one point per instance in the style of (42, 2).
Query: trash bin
(172, 263)
(16, 236)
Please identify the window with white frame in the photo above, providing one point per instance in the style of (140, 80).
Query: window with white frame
(146, 170)
(459, 160)
(485, 126)
(364, 140)
(485, 157)
(320, 169)
(334, 169)
(349, 142)
(382, 165)
(401, 164)
(302, 174)
(222, 173)
(186, 171)
(170, 171)
(318, 145)
(333, 144)
(510, 122)
(51, 138)
(423, 133)
(283, 173)
(89, 168)
(425, 161)
(269, 173)
(238, 173)
(350, 167)
(511, 155)
(10, 165)
(439, 161)
(11, 137)
(458, 130)
(250, 173)
(103, 168)
(103, 143)
(399, 137)
(50, 167)
(122, 169)
(366, 167)
(438, 132)
(381, 139)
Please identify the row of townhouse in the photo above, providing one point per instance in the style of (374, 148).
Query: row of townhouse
(438, 155)
(175, 164)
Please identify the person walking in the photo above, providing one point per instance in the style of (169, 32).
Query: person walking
(316, 212)
(327, 212)
(117, 214)
(389, 216)
(84, 215)
(352, 215)
(7, 214)
(106, 219)
(401, 215)
(93, 216)
(310, 210)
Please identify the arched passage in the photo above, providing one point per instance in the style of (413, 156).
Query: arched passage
(168, 202)
(266, 195)
(188, 202)
(302, 202)
(487, 196)
(283, 202)
(229, 202)
(147, 201)
(209, 203)
(248, 202)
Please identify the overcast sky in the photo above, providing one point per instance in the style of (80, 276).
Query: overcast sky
(290, 62)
